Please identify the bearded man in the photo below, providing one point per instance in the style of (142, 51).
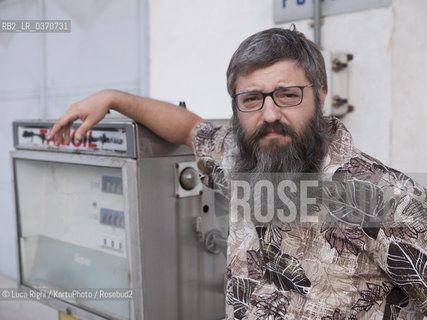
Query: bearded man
(357, 262)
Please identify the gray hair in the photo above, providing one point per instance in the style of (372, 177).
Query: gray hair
(273, 45)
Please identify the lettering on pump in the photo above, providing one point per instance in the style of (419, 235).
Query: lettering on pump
(87, 141)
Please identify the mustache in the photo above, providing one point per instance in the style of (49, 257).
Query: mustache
(277, 126)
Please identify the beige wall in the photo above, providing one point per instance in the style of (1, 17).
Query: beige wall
(409, 86)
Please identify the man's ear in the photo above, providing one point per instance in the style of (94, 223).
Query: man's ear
(323, 93)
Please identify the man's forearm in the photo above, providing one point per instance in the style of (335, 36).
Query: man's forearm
(172, 123)
(169, 121)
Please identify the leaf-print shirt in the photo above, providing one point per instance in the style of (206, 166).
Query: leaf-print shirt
(338, 269)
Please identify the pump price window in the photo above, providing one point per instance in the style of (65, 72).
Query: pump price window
(72, 230)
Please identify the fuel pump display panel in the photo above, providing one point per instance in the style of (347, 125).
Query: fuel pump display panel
(72, 229)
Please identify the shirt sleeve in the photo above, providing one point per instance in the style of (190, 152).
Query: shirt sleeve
(402, 240)
(212, 147)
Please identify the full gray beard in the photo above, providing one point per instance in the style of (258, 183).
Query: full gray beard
(303, 154)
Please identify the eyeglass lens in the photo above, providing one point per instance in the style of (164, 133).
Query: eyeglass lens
(283, 97)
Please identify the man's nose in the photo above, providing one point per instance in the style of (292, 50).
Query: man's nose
(271, 112)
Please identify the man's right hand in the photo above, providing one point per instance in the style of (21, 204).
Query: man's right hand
(90, 110)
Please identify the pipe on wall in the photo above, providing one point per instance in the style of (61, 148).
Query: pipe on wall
(316, 14)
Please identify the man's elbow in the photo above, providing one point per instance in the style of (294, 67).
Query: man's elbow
(189, 138)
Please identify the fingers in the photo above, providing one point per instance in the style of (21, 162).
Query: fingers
(60, 132)
(66, 136)
(63, 134)
(57, 132)
(90, 110)
(83, 129)
(55, 129)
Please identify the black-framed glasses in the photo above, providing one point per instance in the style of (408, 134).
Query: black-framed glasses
(250, 101)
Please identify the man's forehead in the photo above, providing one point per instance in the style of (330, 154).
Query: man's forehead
(284, 72)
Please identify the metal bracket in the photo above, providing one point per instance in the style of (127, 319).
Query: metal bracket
(338, 70)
